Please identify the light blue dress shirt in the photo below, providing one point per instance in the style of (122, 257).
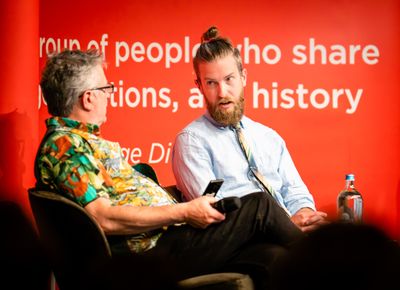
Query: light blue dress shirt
(205, 150)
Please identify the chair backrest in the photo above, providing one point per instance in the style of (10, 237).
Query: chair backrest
(73, 240)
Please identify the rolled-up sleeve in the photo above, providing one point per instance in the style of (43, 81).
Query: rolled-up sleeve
(294, 192)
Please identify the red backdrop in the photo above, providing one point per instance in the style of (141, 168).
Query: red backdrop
(324, 74)
(19, 61)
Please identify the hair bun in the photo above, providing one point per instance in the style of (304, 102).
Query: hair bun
(211, 34)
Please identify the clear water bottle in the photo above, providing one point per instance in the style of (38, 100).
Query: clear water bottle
(350, 202)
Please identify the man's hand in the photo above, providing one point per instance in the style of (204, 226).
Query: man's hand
(200, 213)
(308, 220)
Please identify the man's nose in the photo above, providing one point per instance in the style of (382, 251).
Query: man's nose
(222, 89)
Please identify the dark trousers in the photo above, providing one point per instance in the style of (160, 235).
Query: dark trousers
(249, 240)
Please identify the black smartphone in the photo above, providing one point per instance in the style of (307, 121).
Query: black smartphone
(213, 187)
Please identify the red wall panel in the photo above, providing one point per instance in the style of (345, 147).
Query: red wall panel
(19, 76)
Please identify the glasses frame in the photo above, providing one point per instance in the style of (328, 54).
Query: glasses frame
(104, 89)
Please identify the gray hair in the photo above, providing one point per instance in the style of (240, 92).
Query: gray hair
(66, 77)
(212, 47)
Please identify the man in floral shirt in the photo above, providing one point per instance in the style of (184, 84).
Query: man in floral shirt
(76, 162)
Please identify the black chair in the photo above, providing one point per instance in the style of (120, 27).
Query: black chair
(80, 254)
(73, 240)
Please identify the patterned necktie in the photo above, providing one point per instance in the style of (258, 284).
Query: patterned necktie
(252, 164)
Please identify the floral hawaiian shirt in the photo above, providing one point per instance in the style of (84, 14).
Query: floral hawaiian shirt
(77, 162)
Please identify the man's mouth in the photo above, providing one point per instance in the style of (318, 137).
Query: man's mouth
(225, 104)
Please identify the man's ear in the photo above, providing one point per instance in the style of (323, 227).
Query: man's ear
(244, 77)
(199, 86)
(87, 100)
(197, 82)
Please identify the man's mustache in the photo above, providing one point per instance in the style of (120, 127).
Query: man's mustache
(225, 100)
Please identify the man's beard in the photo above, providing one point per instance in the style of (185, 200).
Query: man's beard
(227, 118)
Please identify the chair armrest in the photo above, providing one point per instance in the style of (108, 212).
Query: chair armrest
(173, 190)
(218, 281)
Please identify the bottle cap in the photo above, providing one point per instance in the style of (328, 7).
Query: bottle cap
(350, 176)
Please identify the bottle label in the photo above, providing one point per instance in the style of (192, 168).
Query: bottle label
(350, 207)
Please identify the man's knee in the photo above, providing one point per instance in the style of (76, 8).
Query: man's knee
(260, 200)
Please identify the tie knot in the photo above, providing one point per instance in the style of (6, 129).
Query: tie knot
(237, 126)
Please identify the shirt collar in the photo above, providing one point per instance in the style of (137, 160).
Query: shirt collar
(73, 124)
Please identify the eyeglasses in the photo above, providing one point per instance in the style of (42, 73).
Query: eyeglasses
(109, 89)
